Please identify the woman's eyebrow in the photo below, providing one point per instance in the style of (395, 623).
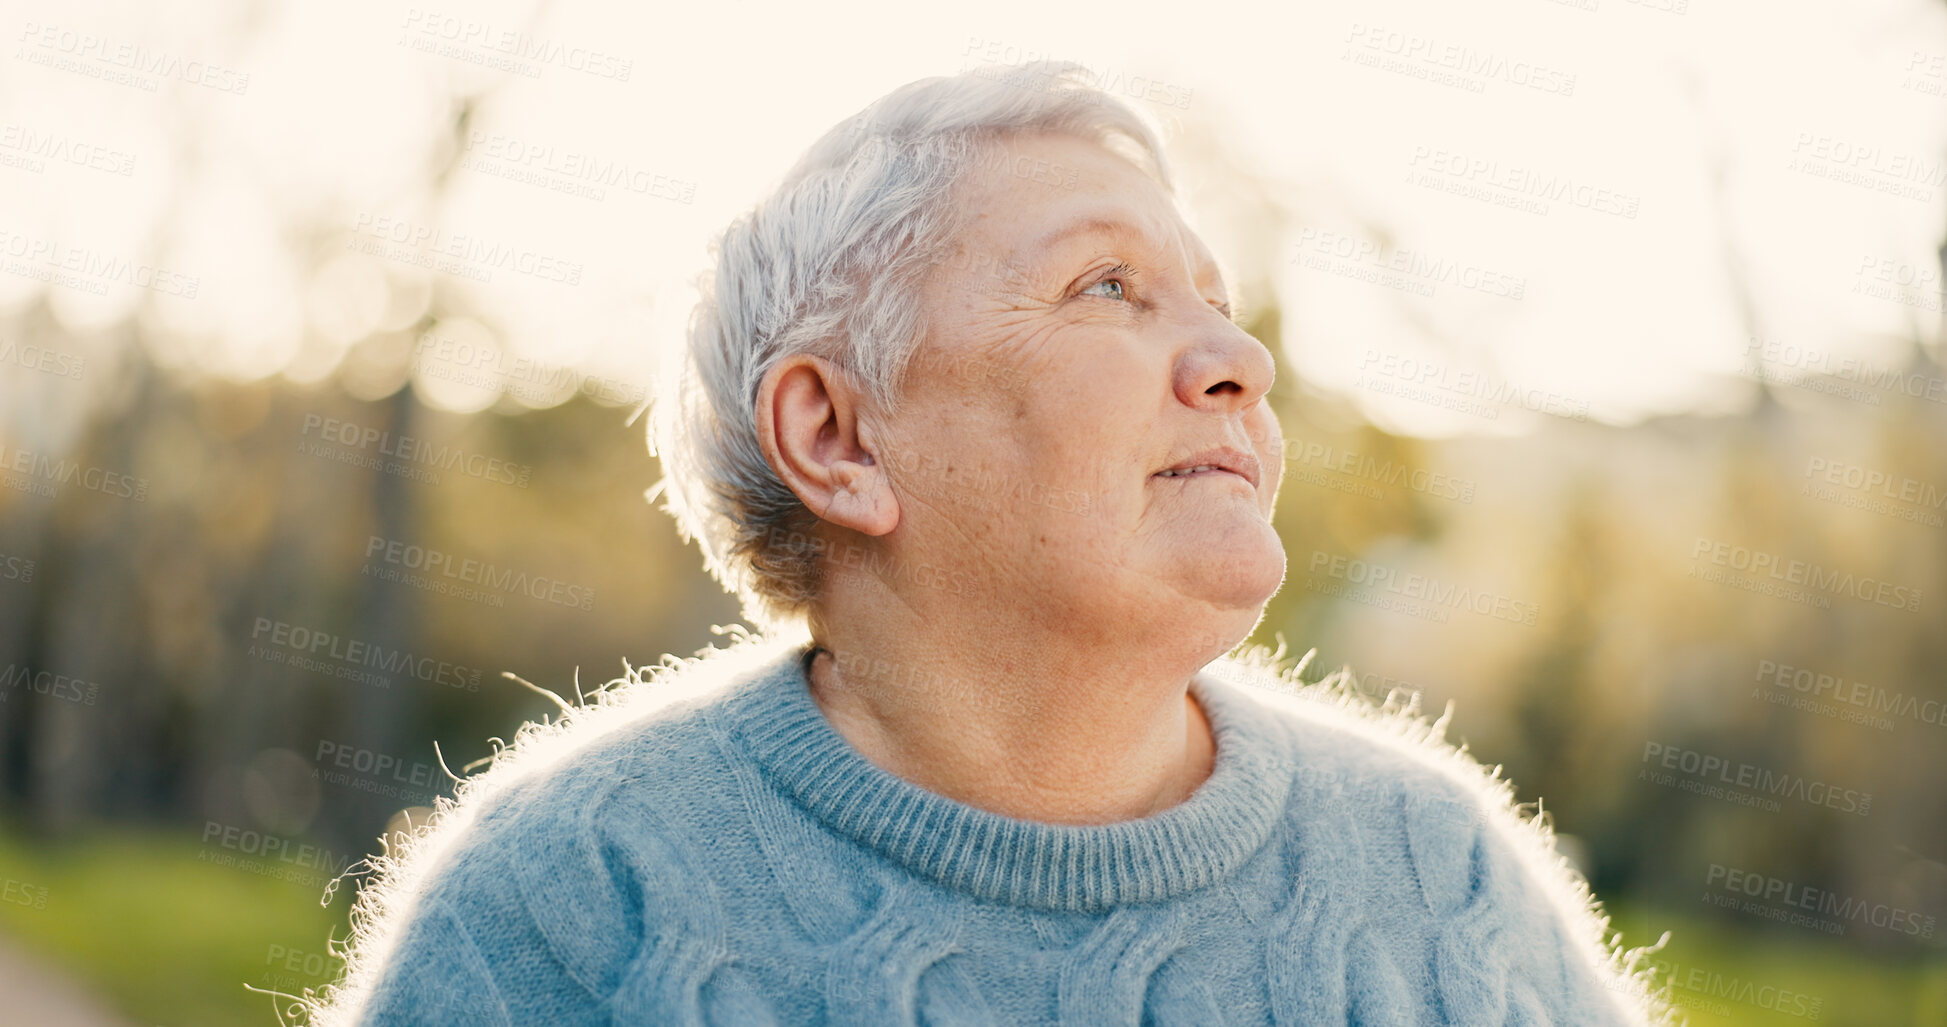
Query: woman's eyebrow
(1088, 224)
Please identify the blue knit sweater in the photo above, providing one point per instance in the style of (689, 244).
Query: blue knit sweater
(702, 847)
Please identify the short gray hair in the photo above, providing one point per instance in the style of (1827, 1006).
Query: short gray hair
(832, 264)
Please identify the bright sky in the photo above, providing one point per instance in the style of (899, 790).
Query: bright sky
(1497, 207)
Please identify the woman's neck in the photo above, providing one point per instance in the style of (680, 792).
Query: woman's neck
(1039, 741)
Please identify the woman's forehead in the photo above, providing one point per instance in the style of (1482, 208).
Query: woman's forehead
(1160, 232)
(1040, 198)
(1048, 170)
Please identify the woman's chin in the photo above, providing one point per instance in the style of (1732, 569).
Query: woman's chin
(1238, 573)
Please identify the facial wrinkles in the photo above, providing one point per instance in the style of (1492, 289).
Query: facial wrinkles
(1153, 237)
(1178, 286)
(1025, 327)
(1025, 341)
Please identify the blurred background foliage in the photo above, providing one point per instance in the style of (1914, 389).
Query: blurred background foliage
(154, 730)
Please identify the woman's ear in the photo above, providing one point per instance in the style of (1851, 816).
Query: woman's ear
(808, 426)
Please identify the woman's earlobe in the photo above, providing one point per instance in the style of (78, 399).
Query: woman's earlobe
(864, 500)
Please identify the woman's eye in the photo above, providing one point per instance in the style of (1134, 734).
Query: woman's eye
(1113, 284)
(1117, 279)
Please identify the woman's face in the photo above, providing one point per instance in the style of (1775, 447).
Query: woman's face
(1080, 361)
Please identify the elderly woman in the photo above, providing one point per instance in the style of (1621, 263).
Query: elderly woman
(968, 422)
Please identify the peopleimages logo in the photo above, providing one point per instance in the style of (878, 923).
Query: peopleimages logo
(1414, 270)
(1817, 900)
(487, 366)
(1903, 174)
(469, 256)
(1866, 699)
(39, 469)
(44, 260)
(514, 46)
(1711, 984)
(454, 575)
(407, 451)
(1425, 589)
(42, 359)
(1383, 472)
(21, 893)
(1798, 572)
(366, 770)
(1464, 385)
(351, 654)
(297, 965)
(1518, 183)
(133, 64)
(567, 170)
(42, 682)
(1763, 357)
(1446, 63)
(879, 564)
(1867, 488)
(1707, 771)
(21, 146)
(16, 568)
(294, 857)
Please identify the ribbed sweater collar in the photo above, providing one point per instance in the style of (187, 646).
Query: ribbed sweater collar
(998, 858)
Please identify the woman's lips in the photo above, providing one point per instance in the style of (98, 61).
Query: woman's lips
(1214, 460)
(1206, 474)
(1200, 472)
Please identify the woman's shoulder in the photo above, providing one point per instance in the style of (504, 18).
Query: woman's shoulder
(1347, 753)
(652, 724)
(1339, 742)
(1386, 770)
(557, 833)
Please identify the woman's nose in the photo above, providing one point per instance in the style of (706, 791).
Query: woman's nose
(1225, 370)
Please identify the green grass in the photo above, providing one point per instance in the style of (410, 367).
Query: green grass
(164, 935)
(1720, 969)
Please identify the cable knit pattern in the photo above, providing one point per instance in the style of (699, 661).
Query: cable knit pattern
(699, 846)
(1306, 946)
